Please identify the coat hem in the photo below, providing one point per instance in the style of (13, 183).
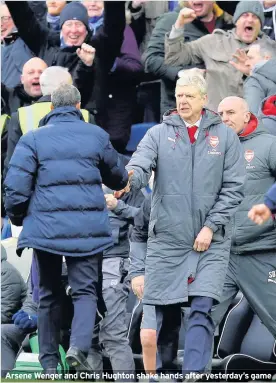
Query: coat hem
(20, 249)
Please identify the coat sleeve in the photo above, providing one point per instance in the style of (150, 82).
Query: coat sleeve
(83, 79)
(128, 62)
(177, 52)
(13, 292)
(126, 211)
(20, 179)
(155, 52)
(109, 39)
(144, 160)
(253, 94)
(113, 172)
(14, 134)
(30, 29)
(232, 190)
(139, 238)
(270, 199)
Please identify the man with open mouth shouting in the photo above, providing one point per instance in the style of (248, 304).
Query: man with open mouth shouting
(222, 52)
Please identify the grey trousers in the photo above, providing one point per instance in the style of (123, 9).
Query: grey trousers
(113, 329)
(11, 341)
(255, 276)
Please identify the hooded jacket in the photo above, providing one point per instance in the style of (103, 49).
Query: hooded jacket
(259, 152)
(194, 186)
(53, 186)
(261, 84)
(267, 114)
(13, 289)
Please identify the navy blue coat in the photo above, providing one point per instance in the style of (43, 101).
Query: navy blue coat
(54, 185)
(270, 198)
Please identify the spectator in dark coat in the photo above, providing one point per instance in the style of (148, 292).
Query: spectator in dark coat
(209, 17)
(29, 90)
(53, 187)
(60, 49)
(269, 27)
(13, 289)
(122, 80)
(14, 52)
(261, 59)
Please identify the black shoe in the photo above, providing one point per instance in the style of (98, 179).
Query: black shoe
(77, 359)
(50, 374)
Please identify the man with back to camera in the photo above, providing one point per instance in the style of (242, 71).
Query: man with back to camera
(53, 188)
(189, 229)
(253, 252)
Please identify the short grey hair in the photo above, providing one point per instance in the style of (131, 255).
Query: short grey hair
(267, 47)
(65, 95)
(52, 78)
(194, 78)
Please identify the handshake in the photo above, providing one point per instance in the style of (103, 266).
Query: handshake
(112, 199)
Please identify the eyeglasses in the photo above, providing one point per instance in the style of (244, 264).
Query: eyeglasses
(5, 19)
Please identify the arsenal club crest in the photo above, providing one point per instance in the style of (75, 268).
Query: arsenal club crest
(214, 141)
(249, 155)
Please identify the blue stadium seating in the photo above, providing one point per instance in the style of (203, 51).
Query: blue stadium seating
(137, 133)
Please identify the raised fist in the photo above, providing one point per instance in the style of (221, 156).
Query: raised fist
(186, 16)
(87, 54)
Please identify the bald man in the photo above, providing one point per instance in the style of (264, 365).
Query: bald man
(253, 250)
(29, 90)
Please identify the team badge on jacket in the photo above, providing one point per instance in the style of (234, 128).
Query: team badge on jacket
(249, 155)
(213, 142)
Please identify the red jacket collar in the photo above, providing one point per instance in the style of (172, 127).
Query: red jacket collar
(250, 127)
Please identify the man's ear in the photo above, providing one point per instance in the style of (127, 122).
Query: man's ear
(52, 106)
(78, 106)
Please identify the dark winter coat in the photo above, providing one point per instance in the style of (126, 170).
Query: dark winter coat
(13, 289)
(53, 186)
(270, 198)
(17, 97)
(15, 132)
(45, 44)
(139, 238)
(14, 54)
(120, 220)
(194, 186)
(269, 27)
(259, 156)
(121, 102)
(261, 84)
(267, 114)
(155, 53)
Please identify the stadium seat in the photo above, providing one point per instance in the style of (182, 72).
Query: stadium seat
(137, 133)
(252, 348)
(27, 362)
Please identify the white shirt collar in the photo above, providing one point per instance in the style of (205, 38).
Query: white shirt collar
(195, 124)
